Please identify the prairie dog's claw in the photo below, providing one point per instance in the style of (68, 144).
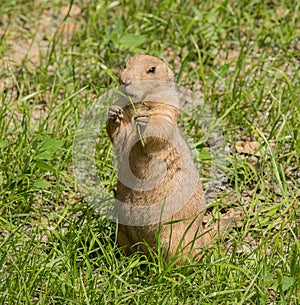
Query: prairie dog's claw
(116, 113)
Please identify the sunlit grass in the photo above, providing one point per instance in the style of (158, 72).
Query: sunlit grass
(57, 57)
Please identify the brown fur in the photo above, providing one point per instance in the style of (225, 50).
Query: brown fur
(140, 133)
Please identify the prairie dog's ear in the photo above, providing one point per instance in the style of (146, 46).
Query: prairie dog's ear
(170, 74)
(167, 71)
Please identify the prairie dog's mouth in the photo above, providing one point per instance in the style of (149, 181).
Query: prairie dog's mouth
(154, 91)
(135, 91)
(127, 88)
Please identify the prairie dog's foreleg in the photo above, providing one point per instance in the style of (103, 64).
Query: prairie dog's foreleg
(115, 121)
(154, 126)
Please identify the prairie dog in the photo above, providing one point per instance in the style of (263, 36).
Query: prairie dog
(159, 193)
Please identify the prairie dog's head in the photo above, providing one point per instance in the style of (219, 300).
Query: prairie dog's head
(147, 78)
(145, 68)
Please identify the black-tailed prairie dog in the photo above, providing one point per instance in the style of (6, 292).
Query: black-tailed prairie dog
(159, 194)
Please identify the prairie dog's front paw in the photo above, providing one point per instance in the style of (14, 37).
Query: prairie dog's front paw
(141, 123)
(116, 114)
(141, 120)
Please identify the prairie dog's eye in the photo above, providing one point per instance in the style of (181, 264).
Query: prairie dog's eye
(151, 70)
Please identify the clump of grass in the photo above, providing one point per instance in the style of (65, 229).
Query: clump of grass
(57, 58)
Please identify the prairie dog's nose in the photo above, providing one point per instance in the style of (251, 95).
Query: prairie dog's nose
(124, 79)
(124, 82)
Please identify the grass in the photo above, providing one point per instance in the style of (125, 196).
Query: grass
(57, 57)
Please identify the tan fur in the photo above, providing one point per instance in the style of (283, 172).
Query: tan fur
(144, 132)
